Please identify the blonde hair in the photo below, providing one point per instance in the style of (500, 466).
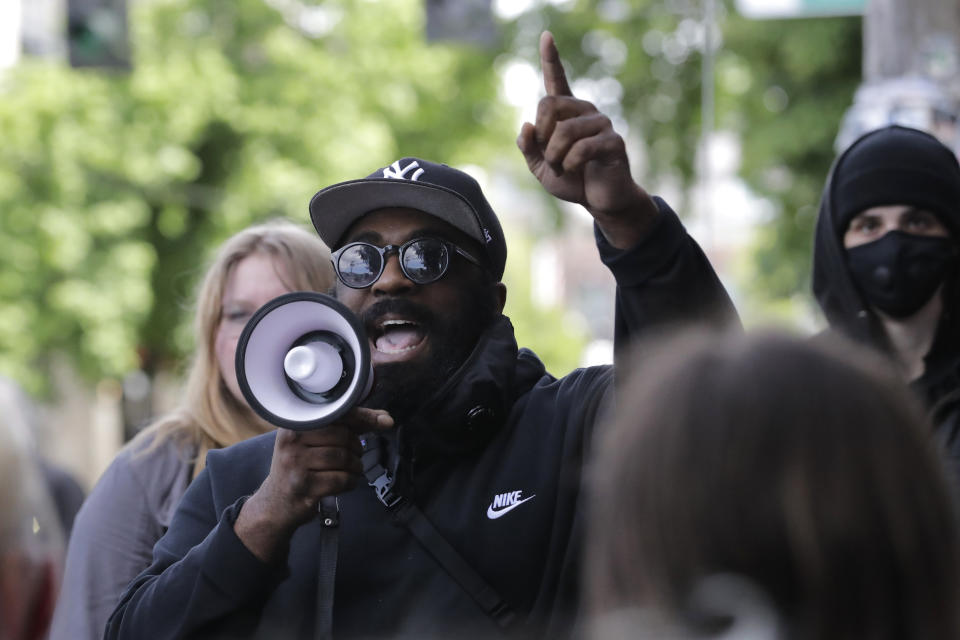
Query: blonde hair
(209, 417)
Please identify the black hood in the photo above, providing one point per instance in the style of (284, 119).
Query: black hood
(847, 189)
(841, 302)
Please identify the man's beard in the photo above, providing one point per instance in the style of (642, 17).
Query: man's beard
(403, 387)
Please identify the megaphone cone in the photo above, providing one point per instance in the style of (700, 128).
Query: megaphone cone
(303, 361)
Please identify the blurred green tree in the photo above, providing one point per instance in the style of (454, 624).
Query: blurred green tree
(781, 85)
(115, 186)
(787, 84)
(557, 335)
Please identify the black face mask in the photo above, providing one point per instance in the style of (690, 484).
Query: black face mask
(900, 272)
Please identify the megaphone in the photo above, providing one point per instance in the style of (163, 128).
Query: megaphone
(303, 361)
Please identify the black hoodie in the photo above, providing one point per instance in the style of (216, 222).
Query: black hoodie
(892, 166)
(504, 491)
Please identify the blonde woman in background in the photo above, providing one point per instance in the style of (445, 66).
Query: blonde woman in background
(131, 505)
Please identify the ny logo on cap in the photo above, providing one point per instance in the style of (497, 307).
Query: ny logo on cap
(394, 171)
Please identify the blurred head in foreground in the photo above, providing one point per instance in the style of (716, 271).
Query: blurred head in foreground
(769, 485)
(30, 541)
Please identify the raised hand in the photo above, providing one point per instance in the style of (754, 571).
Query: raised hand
(306, 467)
(576, 155)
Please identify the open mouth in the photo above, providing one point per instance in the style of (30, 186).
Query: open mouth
(397, 336)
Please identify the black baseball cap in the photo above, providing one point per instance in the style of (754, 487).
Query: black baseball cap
(436, 189)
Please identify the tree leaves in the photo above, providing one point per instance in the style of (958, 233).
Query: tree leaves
(117, 186)
(114, 188)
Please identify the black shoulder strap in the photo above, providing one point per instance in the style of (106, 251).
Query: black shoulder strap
(407, 513)
(327, 573)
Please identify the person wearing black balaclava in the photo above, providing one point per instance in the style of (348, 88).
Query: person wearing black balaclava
(885, 262)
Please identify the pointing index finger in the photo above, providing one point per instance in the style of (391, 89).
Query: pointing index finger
(554, 77)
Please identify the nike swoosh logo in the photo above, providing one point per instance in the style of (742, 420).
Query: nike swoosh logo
(493, 515)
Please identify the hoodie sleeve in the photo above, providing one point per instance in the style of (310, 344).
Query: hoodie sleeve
(665, 279)
(201, 573)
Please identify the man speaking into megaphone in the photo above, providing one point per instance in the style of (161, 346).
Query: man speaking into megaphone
(448, 504)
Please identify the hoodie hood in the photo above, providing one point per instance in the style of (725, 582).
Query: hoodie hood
(889, 166)
(473, 405)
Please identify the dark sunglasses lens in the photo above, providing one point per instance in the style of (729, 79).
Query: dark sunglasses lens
(359, 265)
(425, 260)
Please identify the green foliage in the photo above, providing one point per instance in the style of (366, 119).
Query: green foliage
(782, 85)
(798, 78)
(554, 334)
(117, 186)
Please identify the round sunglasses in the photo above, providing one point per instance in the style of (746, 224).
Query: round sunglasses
(422, 260)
